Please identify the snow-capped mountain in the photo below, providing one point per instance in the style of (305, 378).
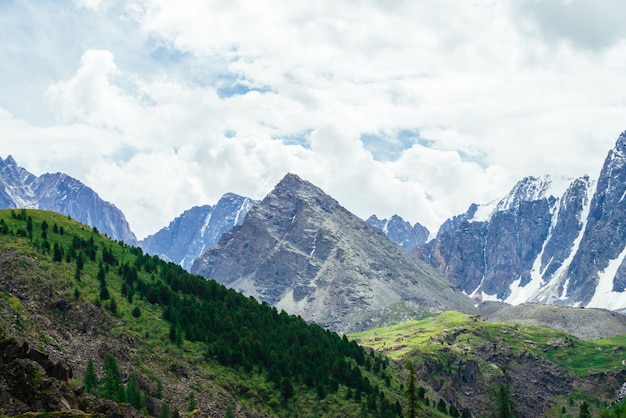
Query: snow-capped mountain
(550, 240)
(61, 193)
(197, 229)
(400, 231)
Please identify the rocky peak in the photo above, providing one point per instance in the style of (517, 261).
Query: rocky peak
(301, 251)
(621, 141)
(400, 231)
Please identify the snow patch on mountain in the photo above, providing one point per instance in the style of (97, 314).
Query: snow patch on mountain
(604, 296)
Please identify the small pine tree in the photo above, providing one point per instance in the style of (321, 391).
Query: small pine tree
(159, 390)
(104, 293)
(411, 393)
(90, 379)
(585, 410)
(111, 382)
(286, 389)
(133, 394)
(113, 306)
(503, 402)
(441, 406)
(229, 412)
(191, 402)
(165, 410)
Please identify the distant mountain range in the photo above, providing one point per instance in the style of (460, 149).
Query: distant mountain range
(401, 232)
(61, 193)
(550, 240)
(197, 229)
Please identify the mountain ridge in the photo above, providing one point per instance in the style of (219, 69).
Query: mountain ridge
(61, 193)
(549, 240)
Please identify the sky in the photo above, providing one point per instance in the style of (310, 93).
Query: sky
(415, 108)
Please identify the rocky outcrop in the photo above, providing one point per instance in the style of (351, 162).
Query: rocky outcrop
(300, 251)
(197, 229)
(61, 193)
(31, 382)
(401, 232)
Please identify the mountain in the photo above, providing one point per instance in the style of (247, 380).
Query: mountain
(550, 240)
(63, 194)
(401, 232)
(197, 229)
(300, 251)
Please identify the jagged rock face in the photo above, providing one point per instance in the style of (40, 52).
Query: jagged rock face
(605, 234)
(63, 194)
(515, 248)
(459, 254)
(300, 251)
(487, 257)
(542, 244)
(401, 232)
(197, 229)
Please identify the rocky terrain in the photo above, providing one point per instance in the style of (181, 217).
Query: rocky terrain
(586, 324)
(300, 251)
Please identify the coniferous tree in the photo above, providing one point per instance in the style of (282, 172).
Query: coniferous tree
(191, 402)
(585, 410)
(503, 402)
(411, 392)
(229, 412)
(159, 390)
(133, 394)
(441, 406)
(111, 382)
(165, 410)
(286, 389)
(90, 379)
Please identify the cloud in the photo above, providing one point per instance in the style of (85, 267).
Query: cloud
(588, 24)
(414, 108)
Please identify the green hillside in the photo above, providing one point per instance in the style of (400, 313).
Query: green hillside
(190, 343)
(468, 360)
(109, 330)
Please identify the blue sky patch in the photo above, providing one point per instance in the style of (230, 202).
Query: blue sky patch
(390, 148)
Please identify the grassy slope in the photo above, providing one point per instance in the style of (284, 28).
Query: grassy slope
(141, 344)
(35, 293)
(595, 366)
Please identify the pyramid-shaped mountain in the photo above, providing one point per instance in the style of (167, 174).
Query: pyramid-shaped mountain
(299, 250)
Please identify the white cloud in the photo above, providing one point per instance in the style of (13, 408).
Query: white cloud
(492, 92)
